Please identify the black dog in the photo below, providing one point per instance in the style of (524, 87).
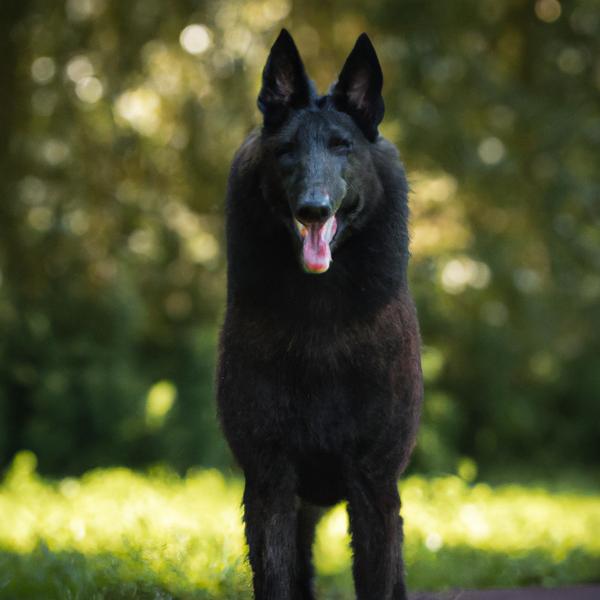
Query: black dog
(319, 378)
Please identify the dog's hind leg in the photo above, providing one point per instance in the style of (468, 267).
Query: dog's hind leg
(376, 528)
(270, 515)
(308, 517)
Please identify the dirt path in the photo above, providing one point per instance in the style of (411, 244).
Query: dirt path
(568, 593)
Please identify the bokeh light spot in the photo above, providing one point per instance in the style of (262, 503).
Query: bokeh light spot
(159, 401)
(79, 67)
(527, 280)
(491, 151)
(276, 10)
(43, 69)
(89, 89)
(142, 242)
(571, 61)
(474, 521)
(548, 10)
(55, 151)
(461, 272)
(77, 221)
(433, 541)
(432, 361)
(467, 469)
(40, 218)
(32, 190)
(140, 108)
(544, 366)
(83, 10)
(203, 247)
(195, 39)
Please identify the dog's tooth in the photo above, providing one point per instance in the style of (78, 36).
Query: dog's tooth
(300, 227)
(329, 228)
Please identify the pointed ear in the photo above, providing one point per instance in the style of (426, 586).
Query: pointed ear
(358, 89)
(285, 85)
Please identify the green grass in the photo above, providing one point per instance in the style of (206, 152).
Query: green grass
(115, 533)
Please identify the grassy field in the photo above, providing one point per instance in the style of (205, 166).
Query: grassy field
(119, 534)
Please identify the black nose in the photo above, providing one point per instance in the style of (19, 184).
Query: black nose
(314, 208)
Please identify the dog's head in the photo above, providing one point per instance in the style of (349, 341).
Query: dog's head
(317, 150)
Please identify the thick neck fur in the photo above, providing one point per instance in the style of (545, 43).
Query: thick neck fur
(264, 275)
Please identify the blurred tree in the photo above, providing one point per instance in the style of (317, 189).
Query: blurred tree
(119, 125)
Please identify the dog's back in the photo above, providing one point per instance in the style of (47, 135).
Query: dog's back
(319, 380)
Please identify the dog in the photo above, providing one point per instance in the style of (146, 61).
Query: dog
(319, 383)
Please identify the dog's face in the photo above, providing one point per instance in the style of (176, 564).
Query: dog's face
(317, 149)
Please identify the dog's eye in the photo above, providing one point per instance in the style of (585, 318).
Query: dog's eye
(340, 145)
(285, 150)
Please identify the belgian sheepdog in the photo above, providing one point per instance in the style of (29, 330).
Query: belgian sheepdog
(319, 378)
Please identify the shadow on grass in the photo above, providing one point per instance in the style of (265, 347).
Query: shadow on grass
(68, 575)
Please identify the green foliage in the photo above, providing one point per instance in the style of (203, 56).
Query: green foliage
(115, 533)
(118, 123)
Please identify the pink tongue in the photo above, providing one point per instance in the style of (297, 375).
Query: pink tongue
(315, 249)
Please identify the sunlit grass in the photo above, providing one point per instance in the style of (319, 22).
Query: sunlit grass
(118, 534)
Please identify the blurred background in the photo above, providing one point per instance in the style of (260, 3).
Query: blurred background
(118, 123)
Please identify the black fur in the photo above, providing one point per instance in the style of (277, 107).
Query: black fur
(319, 377)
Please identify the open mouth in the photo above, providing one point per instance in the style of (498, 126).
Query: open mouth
(316, 244)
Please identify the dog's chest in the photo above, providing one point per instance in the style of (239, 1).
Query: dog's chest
(311, 386)
(327, 403)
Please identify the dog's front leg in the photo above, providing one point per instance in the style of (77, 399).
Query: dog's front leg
(270, 515)
(376, 528)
